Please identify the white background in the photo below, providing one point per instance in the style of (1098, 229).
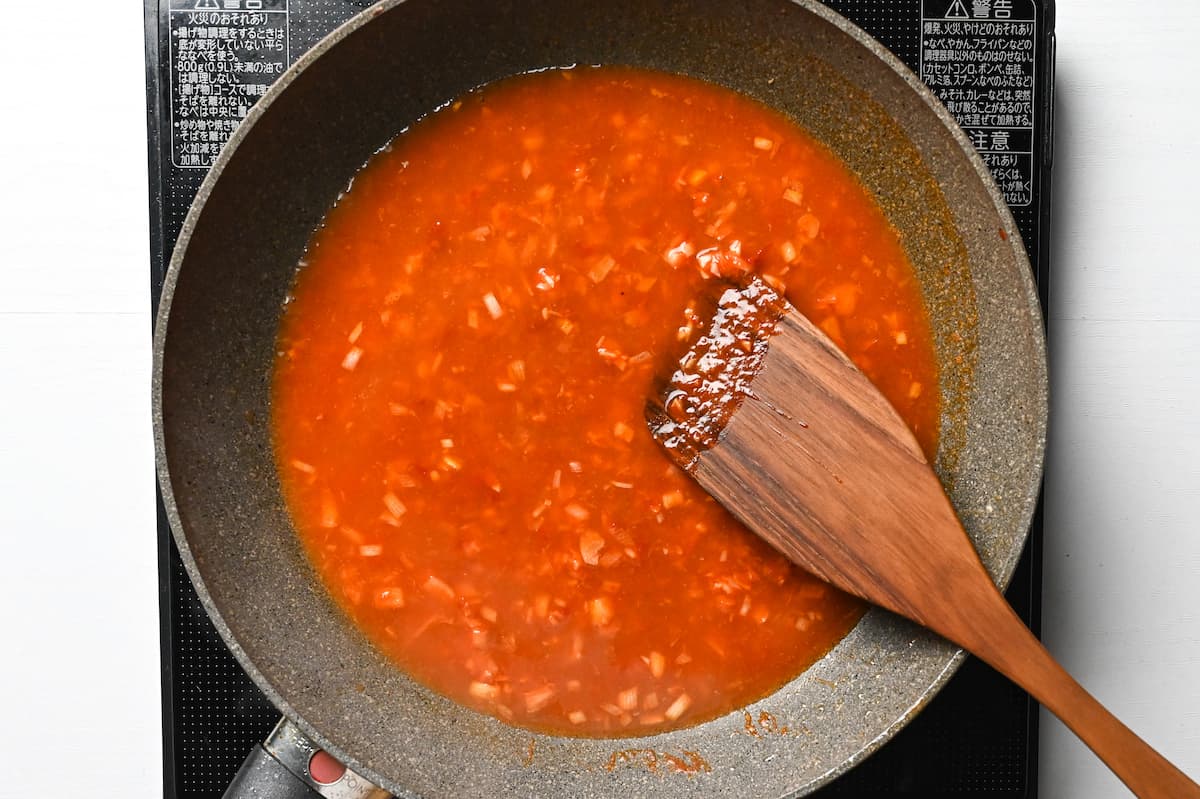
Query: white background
(79, 682)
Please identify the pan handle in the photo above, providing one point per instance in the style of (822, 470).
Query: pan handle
(290, 766)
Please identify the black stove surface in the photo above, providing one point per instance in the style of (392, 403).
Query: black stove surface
(990, 61)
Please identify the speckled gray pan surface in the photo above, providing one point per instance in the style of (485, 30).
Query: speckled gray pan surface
(236, 256)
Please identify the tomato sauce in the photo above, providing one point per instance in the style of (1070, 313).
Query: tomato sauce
(458, 399)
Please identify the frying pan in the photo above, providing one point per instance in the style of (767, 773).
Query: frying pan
(237, 255)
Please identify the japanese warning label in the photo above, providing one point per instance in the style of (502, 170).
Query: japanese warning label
(224, 54)
(978, 58)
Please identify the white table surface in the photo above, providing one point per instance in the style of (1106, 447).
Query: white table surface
(79, 680)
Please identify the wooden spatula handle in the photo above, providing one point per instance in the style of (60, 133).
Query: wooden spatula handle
(1008, 646)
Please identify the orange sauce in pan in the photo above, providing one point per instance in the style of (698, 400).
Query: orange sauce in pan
(458, 399)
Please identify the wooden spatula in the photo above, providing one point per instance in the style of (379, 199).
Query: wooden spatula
(769, 416)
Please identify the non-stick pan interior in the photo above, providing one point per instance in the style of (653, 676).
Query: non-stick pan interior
(236, 258)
